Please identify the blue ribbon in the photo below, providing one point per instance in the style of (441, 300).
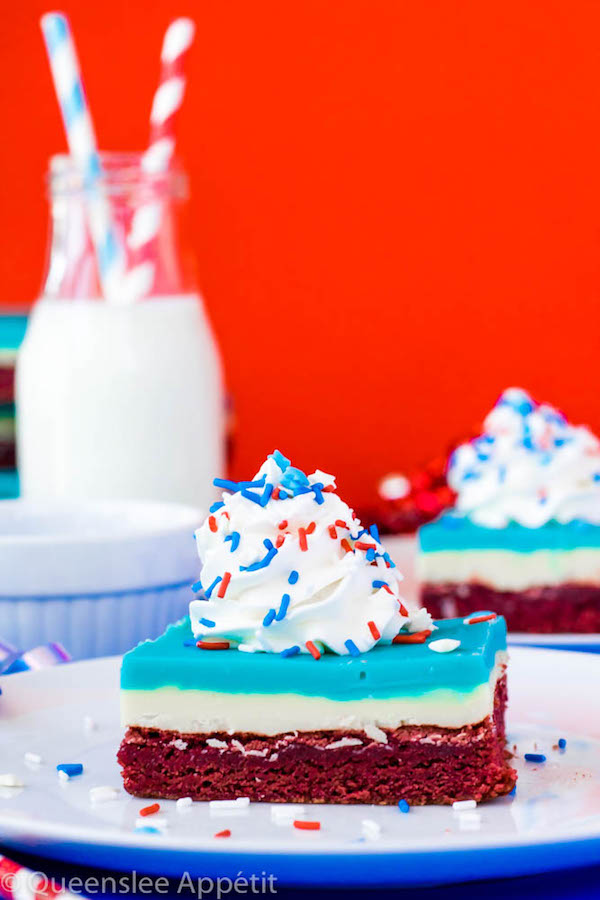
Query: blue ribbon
(13, 660)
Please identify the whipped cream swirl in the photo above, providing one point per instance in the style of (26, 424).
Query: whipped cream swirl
(529, 466)
(287, 568)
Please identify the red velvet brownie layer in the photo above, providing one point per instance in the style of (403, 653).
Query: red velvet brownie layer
(422, 764)
(545, 610)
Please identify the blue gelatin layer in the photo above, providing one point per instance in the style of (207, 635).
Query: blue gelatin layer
(453, 531)
(398, 670)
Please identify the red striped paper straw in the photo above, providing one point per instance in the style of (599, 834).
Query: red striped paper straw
(147, 220)
(169, 94)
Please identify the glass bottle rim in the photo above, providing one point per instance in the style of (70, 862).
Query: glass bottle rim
(122, 173)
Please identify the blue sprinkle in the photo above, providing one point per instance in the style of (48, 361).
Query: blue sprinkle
(471, 475)
(293, 577)
(389, 560)
(380, 584)
(318, 491)
(207, 622)
(371, 554)
(357, 537)
(596, 476)
(250, 496)
(513, 792)
(70, 768)
(282, 494)
(269, 618)
(197, 586)
(268, 544)
(562, 743)
(210, 589)
(535, 757)
(528, 443)
(260, 563)
(281, 460)
(226, 484)
(285, 602)
(266, 495)
(216, 506)
(374, 531)
(290, 651)
(190, 642)
(352, 648)
(403, 806)
(146, 829)
(234, 537)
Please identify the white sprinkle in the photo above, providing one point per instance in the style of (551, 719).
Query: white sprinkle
(34, 758)
(159, 822)
(237, 745)
(370, 828)
(444, 645)
(469, 821)
(285, 813)
(464, 804)
(375, 733)
(245, 648)
(183, 803)
(63, 776)
(9, 779)
(179, 744)
(215, 742)
(344, 742)
(238, 803)
(103, 793)
(89, 724)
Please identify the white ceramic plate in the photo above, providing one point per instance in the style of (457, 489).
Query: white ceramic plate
(552, 822)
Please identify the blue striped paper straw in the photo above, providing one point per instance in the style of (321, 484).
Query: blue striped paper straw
(81, 139)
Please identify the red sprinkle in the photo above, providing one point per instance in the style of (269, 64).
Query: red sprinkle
(225, 833)
(328, 489)
(310, 528)
(150, 810)
(283, 524)
(213, 645)
(332, 531)
(481, 619)
(212, 523)
(418, 637)
(280, 540)
(306, 826)
(387, 588)
(360, 545)
(302, 539)
(340, 523)
(224, 584)
(313, 650)
(404, 611)
(225, 513)
(374, 630)
(275, 494)
(346, 545)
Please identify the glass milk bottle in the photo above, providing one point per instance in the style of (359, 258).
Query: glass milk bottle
(120, 399)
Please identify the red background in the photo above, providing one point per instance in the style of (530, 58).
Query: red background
(396, 205)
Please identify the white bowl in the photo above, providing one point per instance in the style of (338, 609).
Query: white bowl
(98, 577)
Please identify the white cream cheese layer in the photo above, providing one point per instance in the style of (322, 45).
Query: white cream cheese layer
(507, 570)
(206, 712)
